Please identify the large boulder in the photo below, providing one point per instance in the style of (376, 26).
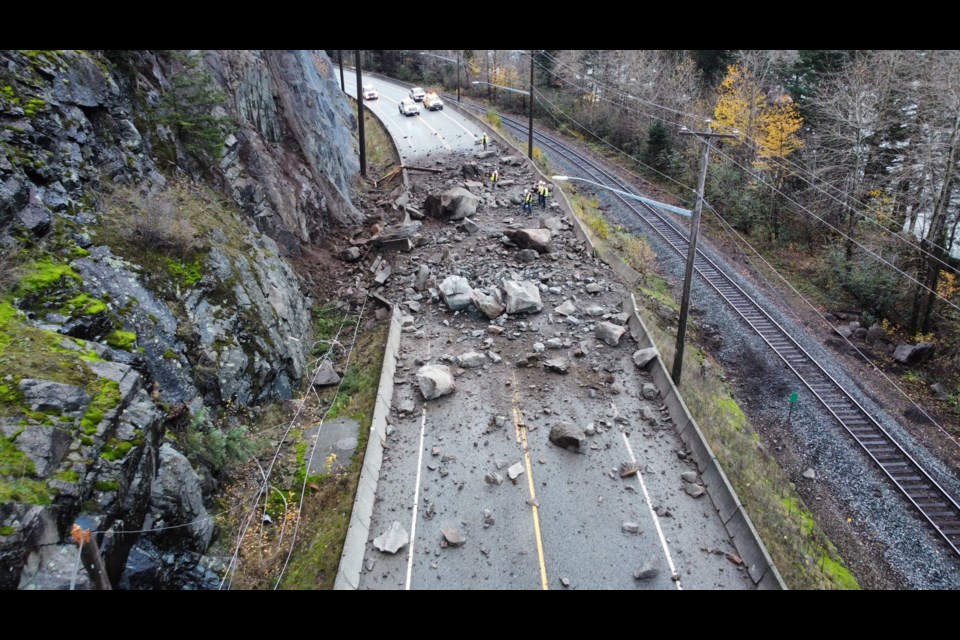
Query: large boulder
(536, 239)
(456, 292)
(610, 333)
(911, 354)
(567, 436)
(435, 380)
(643, 357)
(522, 297)
(490, 304)
(453, 204)
(45, 395)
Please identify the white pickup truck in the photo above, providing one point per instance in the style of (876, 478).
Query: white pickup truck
(408, 108)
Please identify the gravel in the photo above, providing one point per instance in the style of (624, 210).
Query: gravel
(886, 543)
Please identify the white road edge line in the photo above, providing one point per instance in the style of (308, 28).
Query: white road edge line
(416, 501)
(653, 514)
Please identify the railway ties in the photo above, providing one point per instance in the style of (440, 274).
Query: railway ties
(936, 506)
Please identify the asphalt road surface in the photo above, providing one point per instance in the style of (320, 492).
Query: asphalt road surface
(417, 137)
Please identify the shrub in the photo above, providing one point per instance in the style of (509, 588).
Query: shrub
(205, 443)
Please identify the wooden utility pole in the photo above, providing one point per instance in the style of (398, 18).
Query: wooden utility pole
(90, 556)
(363, 139)
(704, 137)
(343, 86)
(530, 128)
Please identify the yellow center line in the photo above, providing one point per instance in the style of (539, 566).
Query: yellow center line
(520, 429)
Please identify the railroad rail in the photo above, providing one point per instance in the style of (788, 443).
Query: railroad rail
(928, 498)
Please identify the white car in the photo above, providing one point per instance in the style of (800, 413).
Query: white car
(433, 102)
(417, 93)
(408, 108)
(369, 92)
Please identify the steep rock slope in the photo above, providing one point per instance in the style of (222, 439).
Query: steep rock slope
(142, 290)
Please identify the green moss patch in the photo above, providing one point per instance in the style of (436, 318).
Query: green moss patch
(106, 485)
(116, 449)
(121, 339)
(83, 305)
(7, 530)
(186, 273)
(44, 274)
(106, 399)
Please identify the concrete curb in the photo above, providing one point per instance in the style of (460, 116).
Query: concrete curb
(358, 531)
(722, 495)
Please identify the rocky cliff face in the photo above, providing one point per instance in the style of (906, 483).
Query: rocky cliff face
(144, 220)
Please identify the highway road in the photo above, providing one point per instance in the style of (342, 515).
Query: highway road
(417, 137)
(567, 520)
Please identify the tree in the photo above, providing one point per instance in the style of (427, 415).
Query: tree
(738, 106)
(778, 131)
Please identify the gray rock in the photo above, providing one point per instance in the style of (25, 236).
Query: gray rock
(46, 395)
(522, 297)
(610, 333)
(412, 305)
(594, 287)
(630, 527)
(500, 421)
(470, 226)
(470, 170)
(490, 304)
(435, 380)
(554, 343)
(552, 222)
(566, 309)
(649, 391)
(537, 239)
(527, 255)
(693, 489)
(471, 360)
(567, 436)
(326, 376)
(876, 334)
(565, 582)
(643, 357)
(176, 498)
(539, 347)
(913, 354)
(488, 518)
(810, 474)
(628, 469)
(648, 415)
(590, 429)
(594, 311)
(453, 537)
(938, 391)
(515, 470)
(689, 476)
(494, 357)
(647, 571)
(456, 292)
(453, 204)
(44, 445)
(493, 478)
(35, 217)
(393, 539)
(350, 254)
(406, 406)
(420, 281)
(557, 365)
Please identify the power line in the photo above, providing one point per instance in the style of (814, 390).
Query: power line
(797, 169)
(309, 463)
(231, 567)
(727, 227)
(841, 233)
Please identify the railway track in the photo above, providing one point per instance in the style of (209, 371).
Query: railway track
(926, 496)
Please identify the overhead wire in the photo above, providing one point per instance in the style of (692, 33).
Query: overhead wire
(313, 450)
(728, 228)
(797, 168)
